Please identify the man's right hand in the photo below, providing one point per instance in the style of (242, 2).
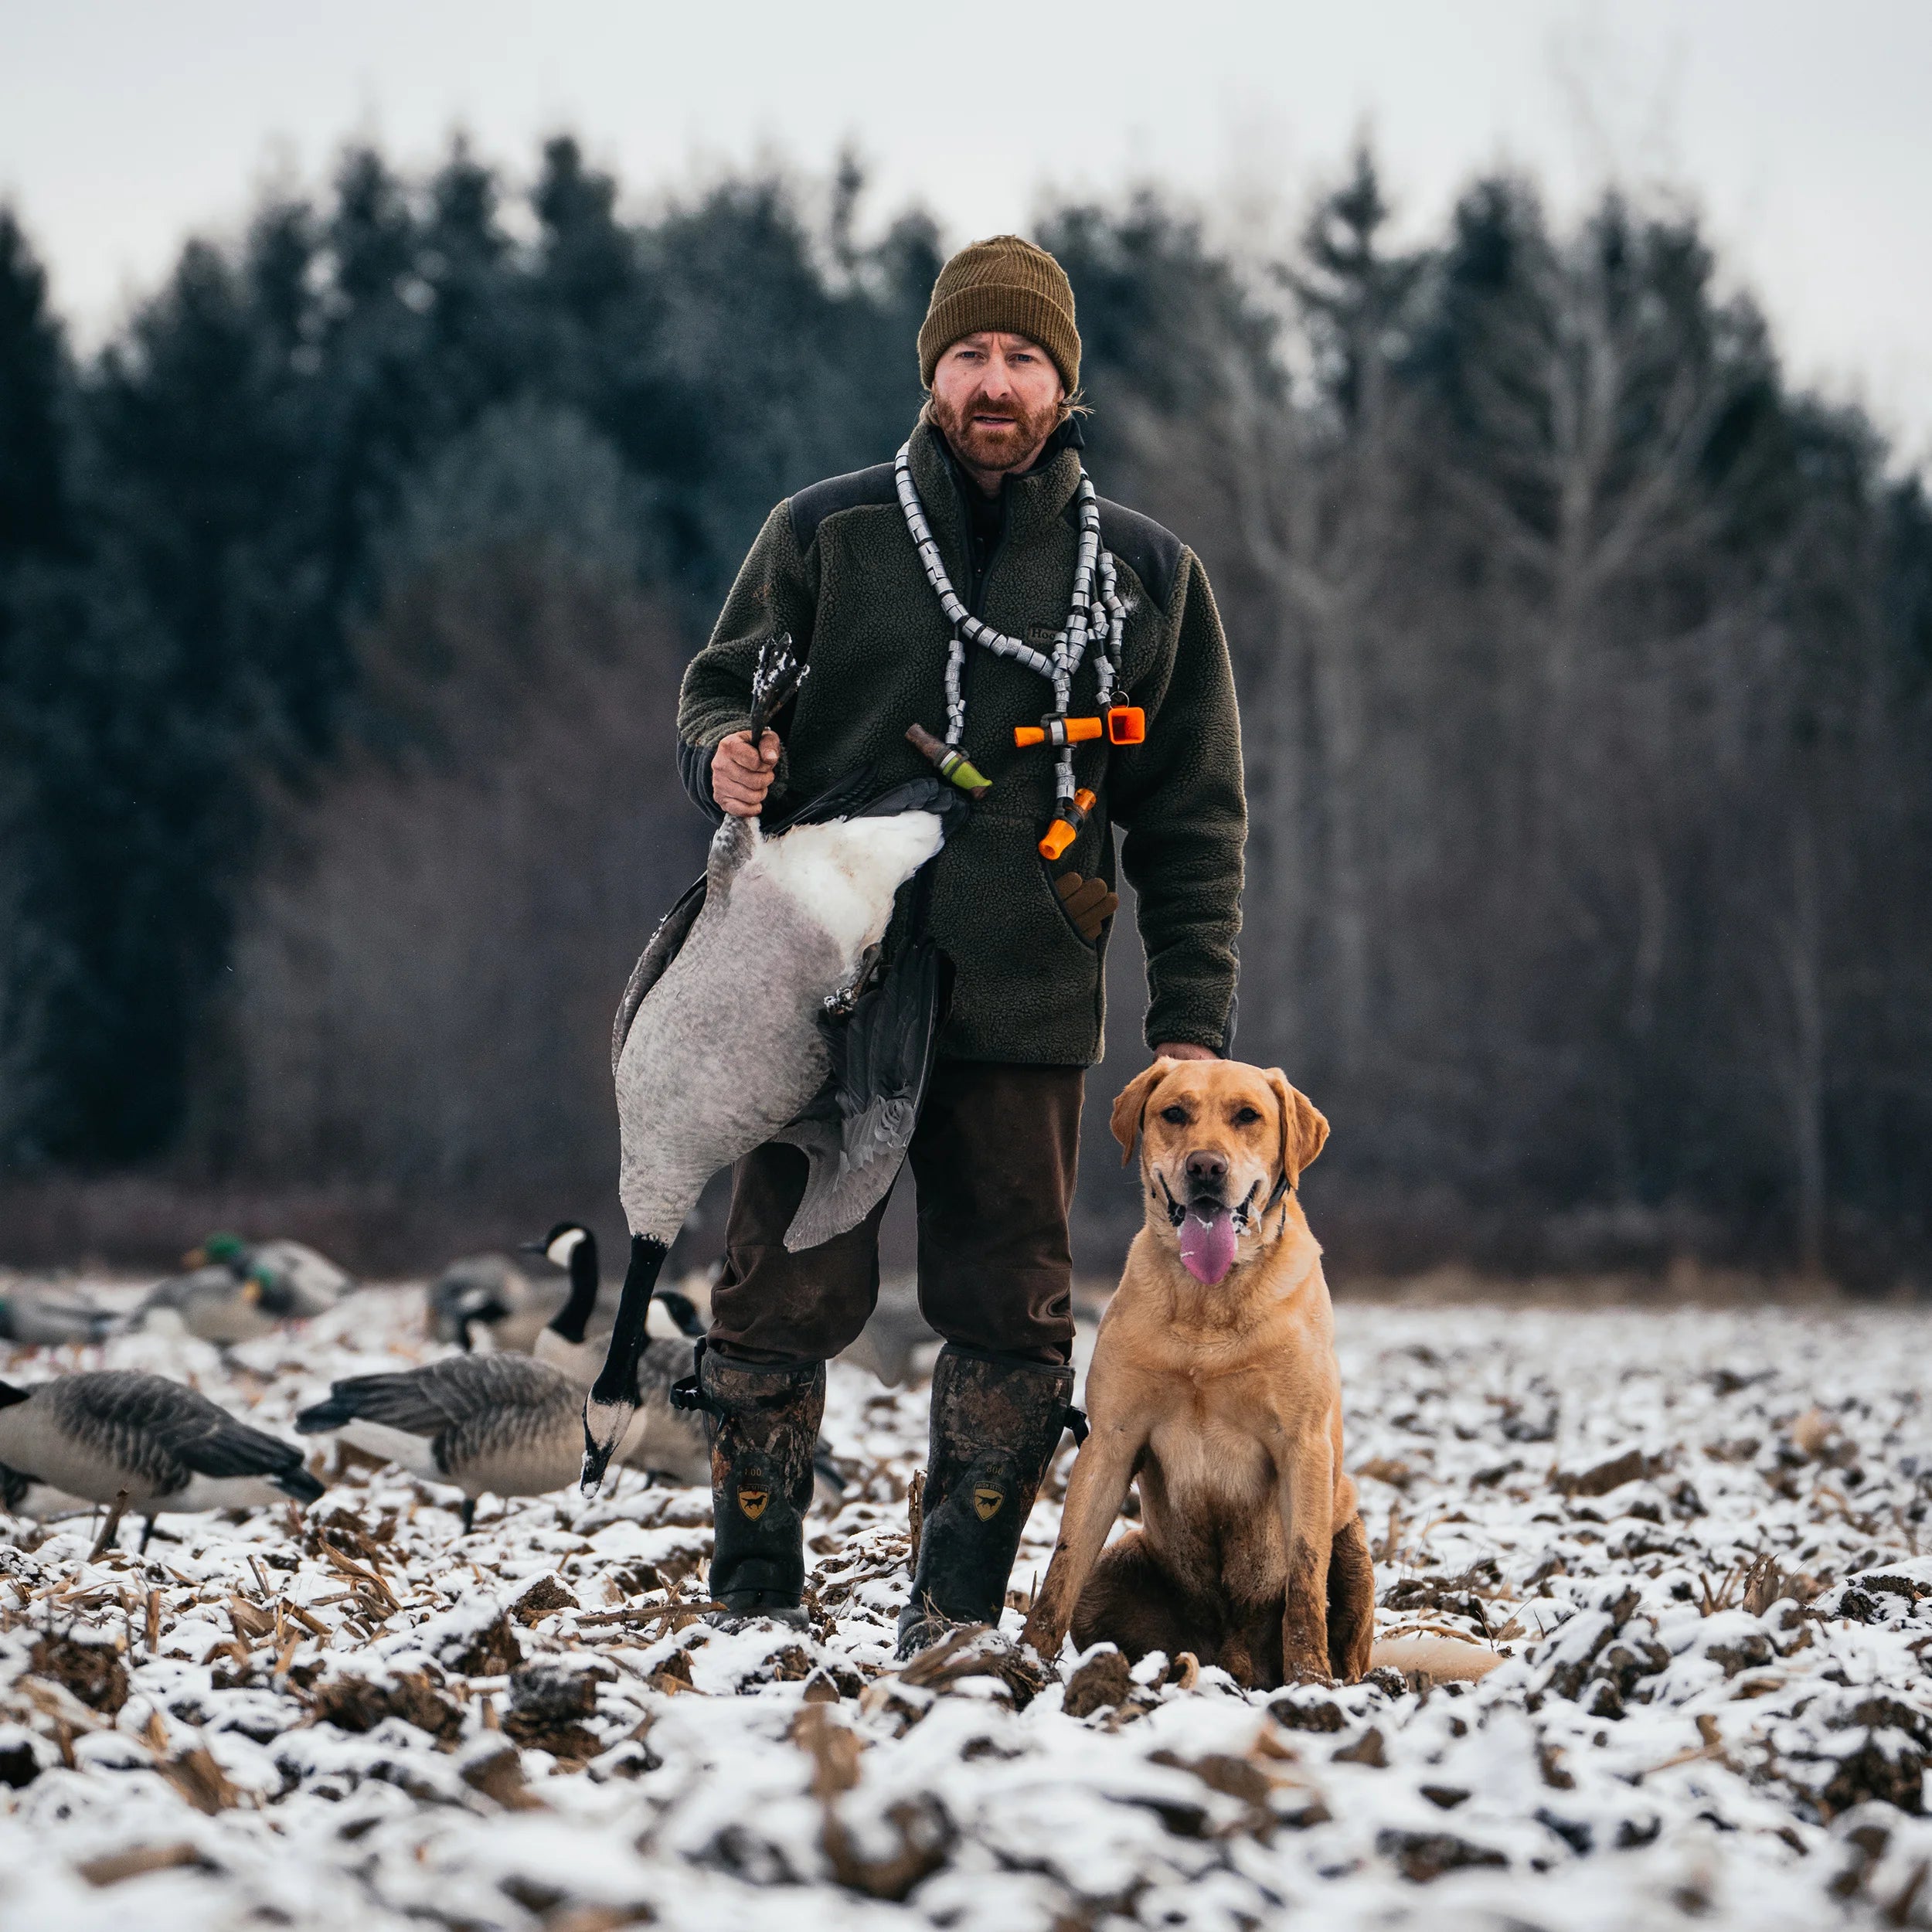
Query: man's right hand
(740, 776)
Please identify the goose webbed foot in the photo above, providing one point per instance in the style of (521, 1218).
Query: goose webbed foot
(469, 1514)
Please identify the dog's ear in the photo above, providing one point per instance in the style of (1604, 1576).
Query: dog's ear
(1304, 1129)
(1132, 1104)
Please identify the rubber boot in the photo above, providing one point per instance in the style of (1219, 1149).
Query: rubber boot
(763, 1425)
(996, 1422)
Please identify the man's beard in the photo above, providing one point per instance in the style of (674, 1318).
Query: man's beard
(995, 446)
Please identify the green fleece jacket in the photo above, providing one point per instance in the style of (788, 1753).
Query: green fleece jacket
(834, 567)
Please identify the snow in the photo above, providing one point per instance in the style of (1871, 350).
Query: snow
(1696, 1534)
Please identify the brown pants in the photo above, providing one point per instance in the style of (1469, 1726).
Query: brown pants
(993, 1160)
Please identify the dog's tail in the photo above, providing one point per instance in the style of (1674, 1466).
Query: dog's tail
(1443, 1660)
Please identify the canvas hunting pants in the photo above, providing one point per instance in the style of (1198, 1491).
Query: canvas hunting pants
(992, 1160)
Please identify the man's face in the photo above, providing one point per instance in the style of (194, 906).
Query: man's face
(996, 397)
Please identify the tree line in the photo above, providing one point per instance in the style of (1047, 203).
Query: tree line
(1586, 670)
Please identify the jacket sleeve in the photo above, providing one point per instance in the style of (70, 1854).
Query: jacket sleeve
(1180, 798)
(777, 590)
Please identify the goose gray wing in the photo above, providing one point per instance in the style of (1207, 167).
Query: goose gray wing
(179, 1425)
(465, 1408)
(115, 1416)
(855, 1134)
(438, 1396)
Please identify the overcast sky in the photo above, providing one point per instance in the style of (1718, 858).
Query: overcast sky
(1801, 129)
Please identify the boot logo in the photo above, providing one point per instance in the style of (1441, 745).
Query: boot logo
(986, 1504)
(753, 1501)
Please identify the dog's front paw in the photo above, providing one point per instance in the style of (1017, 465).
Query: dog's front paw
(1307, 1670)
(1045, 1662)
(1039, 1641)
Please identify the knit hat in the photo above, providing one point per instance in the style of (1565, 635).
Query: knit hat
(1005, 283)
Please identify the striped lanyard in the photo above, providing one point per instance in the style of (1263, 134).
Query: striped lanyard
(1093, 563)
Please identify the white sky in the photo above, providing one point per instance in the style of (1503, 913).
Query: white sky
(1802, 129)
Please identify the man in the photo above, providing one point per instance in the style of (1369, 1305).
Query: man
(994, 467)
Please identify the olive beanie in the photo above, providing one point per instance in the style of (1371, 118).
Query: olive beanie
(1005, 282)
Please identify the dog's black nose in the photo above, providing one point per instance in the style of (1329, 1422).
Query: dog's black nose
(1206, 1170)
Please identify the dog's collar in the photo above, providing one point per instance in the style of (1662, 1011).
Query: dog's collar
(1176, 1214)
(1242, 1216)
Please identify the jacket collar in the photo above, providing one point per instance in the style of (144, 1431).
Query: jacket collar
(1033, 502)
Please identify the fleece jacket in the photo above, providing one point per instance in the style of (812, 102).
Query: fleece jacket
(834, 567)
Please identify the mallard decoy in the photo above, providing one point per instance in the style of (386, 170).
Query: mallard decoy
(146, 1444)
(315, 1281)
(235, 1292)
(39, 1317)
(721, 1043)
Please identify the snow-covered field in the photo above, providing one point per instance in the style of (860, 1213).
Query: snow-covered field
(1695, 1534)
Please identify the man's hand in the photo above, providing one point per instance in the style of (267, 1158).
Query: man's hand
(1181, 1049)
(741, 776)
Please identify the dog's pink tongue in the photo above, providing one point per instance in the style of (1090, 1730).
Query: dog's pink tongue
(1207, 1244)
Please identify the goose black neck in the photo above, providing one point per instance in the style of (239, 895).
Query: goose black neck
(574, 1317)
(617, 1380)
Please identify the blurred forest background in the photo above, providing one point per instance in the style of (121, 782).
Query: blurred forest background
(1586, 671)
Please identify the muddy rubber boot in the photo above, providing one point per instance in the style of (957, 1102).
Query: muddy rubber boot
(763, 1425)
(996, 1422)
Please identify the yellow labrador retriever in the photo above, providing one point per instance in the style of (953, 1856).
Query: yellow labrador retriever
(1214, 1386)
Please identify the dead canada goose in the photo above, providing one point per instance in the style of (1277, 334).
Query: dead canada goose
(234, 1292)
(39, 1317)
(719, 1043)
(142, 1442)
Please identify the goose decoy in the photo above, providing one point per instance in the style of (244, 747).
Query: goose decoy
(21, 1494)
(504, 1425)
(897, 1341)
(509, 1425)
(508, 1296)
(142, 1442)
(38, 1317)
(722, 1043)
(565, 1341)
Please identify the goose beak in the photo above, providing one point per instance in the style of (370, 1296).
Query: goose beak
(604, 1424)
